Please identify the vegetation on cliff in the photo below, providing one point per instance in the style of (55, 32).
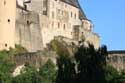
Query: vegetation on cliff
(86, 66)
(46, 74)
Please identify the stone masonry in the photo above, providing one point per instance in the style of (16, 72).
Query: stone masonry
(34, 23)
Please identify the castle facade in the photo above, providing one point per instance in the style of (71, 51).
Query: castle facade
(34, 23)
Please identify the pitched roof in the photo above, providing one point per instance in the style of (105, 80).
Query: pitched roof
(75, 3)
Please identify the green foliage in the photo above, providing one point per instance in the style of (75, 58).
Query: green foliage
(120, 78)
(6, 63)
(48, 72)
(20, 49)
(4, 54)
(90, 65)
(66, 70)
(29, 75)
(5, 77)
(6, 67)
(110, 73)
(59, 48)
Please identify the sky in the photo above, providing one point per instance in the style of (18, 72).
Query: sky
(108, 17)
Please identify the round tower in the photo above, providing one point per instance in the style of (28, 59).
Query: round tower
(7, 23)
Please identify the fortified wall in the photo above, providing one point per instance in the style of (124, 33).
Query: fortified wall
(28, 31)
(34, 23)
(7, 23)
(117, 59)
(34, 58)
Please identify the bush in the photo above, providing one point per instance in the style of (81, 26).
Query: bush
(48, 71)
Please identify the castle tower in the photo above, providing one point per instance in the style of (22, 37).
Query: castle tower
(7, 23)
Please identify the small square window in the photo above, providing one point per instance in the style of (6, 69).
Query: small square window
(8, 20)
(5, 45)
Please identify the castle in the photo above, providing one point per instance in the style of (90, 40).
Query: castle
(34, 23)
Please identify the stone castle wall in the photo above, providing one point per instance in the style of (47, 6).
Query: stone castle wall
(37, 22)
(27, 31)
(117, 59)
(34, 58)
(59, 21)
(7, 23)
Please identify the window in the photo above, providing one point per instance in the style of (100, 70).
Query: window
(71, 14)
(71, 33)
(4, 2)
(58, 25)
(64, 26)
(5, 45)
(28, 22)
(75, 16)
(52, 24)
(62, 12)
(8, 20)
(53, 15)
(44, 12)
(65, 6)
(45, 3)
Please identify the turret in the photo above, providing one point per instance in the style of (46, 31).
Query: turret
(7, 23)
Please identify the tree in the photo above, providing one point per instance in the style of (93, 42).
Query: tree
(90, 65)
(87, 66)
(6, 67)
(66, 70)
(48, 72)
(111, 74)
(28, 75)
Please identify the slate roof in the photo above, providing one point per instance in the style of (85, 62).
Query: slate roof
(75, 3)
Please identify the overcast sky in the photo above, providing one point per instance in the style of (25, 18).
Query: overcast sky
(108, 17)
